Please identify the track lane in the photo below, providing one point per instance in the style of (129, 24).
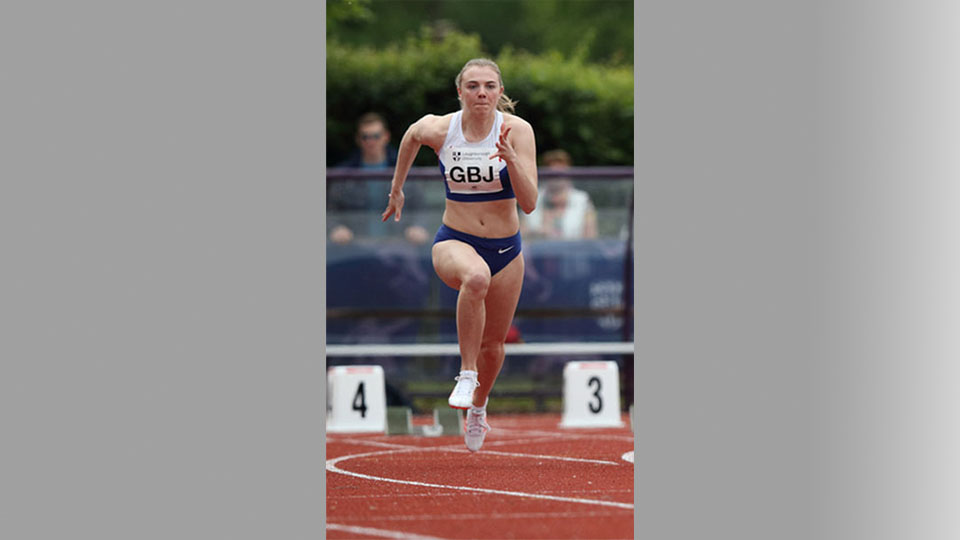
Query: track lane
(439, 490)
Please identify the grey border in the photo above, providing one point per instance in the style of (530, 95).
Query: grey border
(322, 235)
(726, 231)
(160, 295)
(637, 265)
(797, 268)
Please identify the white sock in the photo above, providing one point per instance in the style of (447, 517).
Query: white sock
(478, 410)
(469, 373)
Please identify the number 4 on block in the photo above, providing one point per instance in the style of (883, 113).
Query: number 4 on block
(357, 400)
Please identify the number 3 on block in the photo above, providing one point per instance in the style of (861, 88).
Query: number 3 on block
(591, 395)
(595, 407)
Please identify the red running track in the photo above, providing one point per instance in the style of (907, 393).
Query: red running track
(531, 480)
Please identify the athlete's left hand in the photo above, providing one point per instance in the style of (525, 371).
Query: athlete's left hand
(505, 150)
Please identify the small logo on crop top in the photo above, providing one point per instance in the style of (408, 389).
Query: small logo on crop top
(456, 156)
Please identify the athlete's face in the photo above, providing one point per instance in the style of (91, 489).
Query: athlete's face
(480, 89)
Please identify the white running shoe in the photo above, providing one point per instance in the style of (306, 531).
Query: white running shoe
(462, 395)
(477, 428)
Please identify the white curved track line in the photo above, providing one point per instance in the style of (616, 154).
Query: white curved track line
(382, 533)
(332, 467)
(627, 456)
(437, 494)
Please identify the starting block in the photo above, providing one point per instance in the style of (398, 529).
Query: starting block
(446, 421)
(450, 420)
(399, 421)
(591, 395)
(428, 431)
(356, 399)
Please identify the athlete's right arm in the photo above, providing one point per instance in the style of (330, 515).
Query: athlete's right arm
(418, 134)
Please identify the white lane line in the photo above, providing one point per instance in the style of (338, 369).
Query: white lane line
(587, 491)
(628, 456)
(497, 442)
(379, 532)
(516, 454)
(332, 467)
(458, 449)
(538, 433)
(390, 495)
(378, 443)
(541, 456)
(504, 442)
(498, 516)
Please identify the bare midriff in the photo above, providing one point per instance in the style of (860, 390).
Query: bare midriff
(486, 219)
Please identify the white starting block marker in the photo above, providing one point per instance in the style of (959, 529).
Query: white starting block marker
(399, 421)
(446, 421)
(356, 400)
(591, 395)
(449, 420)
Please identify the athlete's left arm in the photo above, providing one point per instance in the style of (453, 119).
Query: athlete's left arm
(517, 146)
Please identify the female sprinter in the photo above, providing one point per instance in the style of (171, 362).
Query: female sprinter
(488, 162)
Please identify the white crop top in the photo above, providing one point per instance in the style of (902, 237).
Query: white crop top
(468, 172)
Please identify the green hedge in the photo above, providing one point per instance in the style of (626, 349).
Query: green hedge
(586, 109)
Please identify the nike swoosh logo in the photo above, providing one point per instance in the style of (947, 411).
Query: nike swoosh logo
(502, 251)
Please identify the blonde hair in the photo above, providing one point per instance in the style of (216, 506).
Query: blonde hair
(504, 104)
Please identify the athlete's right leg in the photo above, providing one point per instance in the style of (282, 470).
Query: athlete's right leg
(501, 304)
(460, 267)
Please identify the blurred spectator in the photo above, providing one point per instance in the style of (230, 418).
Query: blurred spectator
(373, 145)
(562, 210)
(352, 205)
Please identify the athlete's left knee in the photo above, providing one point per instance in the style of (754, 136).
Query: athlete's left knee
(492, 348)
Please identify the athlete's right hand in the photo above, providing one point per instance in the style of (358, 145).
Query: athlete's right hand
(395, 206)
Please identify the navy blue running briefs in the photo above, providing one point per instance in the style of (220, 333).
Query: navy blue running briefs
(497, 252)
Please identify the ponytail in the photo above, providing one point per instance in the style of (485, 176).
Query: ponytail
(505, 104)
